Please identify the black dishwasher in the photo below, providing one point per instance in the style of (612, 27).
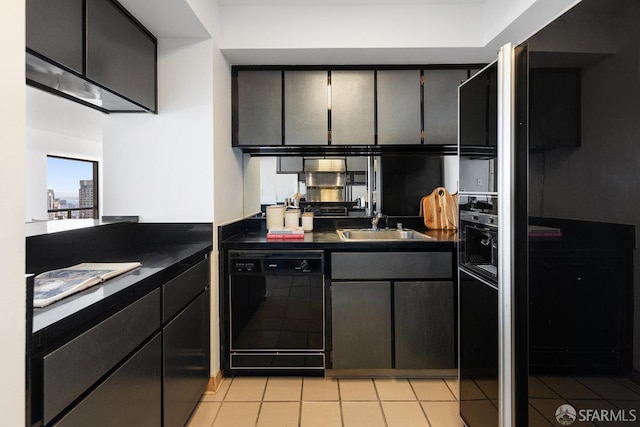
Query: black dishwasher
(275, 319)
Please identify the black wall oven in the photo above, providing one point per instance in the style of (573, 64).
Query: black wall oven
(479, 244)
(275, 312)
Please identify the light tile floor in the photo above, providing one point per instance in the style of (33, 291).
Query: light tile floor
(328, 402)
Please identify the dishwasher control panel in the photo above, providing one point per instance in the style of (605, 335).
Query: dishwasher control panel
(259, 262)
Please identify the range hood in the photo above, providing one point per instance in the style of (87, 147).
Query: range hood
(56, 80)
(325, 165)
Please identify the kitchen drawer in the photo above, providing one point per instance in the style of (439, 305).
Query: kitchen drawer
(74, 367)
(131, 396)
(391, 265)
(177, 292)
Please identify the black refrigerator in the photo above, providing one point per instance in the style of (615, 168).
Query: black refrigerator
(575, 208)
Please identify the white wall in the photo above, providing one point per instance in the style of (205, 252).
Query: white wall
(513, 21)
(57, 126)
(12, 198)
(354, 26)
(160, 167)
(228, 181)
(436, 32)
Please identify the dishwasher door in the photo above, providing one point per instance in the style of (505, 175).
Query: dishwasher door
(276, 304)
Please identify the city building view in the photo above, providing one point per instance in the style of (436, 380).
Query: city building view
(71, 193)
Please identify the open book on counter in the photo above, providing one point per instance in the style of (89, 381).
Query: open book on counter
(54, 285)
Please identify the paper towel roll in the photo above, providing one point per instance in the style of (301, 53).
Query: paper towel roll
(275, 217)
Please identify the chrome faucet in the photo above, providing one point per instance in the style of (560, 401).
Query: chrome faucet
(375, 219)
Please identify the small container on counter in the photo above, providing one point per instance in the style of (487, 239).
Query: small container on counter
(275, 217)
(292, 218)
(307, 221)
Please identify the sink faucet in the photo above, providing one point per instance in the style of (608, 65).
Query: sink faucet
(375, 219)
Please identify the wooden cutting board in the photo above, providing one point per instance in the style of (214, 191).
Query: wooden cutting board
(440, 210)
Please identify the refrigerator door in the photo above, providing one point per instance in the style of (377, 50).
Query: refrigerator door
(576, 173)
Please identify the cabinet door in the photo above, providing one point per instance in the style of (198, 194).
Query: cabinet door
(306, 116)
(131, 396)
(424, 325)
(352, 107)
(399, 119)
(120, 55)
(441, 105)
(361, 325)
(357, 164)
(259, 118)
(54, 30)
(186, 361)
(290, 165)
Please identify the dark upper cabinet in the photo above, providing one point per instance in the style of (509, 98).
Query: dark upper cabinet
(55, 29)
(398, 97)
(441, 105)
(259, 108)
(120, 55)
(352, 107)
(92, 52)
(290, 164)
(315, 110)
(306, 117)
(478, 109)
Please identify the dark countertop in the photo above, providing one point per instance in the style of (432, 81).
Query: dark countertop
(163, 250)
(251, 234)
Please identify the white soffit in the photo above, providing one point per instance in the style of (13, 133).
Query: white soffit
(167, 18)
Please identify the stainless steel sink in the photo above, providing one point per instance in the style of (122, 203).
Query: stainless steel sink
(380, 235)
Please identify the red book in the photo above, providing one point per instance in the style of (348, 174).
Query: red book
(291, 236)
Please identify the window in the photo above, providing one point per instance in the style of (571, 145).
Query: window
(72, 188)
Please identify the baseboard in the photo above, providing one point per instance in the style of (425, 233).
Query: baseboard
(214, 383)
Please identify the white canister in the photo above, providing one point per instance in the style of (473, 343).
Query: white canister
(275, 217)
(307, 221)
(292, 218)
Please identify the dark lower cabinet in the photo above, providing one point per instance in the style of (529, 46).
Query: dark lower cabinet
(128, 397)
(424, 325)
(393, 310)
(580, 303)
(361, 325)
(76, 366)
(146, 365)
(186, 361)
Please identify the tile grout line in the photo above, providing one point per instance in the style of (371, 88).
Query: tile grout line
(264, 394)
(420, 403)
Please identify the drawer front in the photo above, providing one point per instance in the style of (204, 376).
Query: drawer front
(391, 265)
(186, 361)
(131, 396)
(74, 367)
(177, 292)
